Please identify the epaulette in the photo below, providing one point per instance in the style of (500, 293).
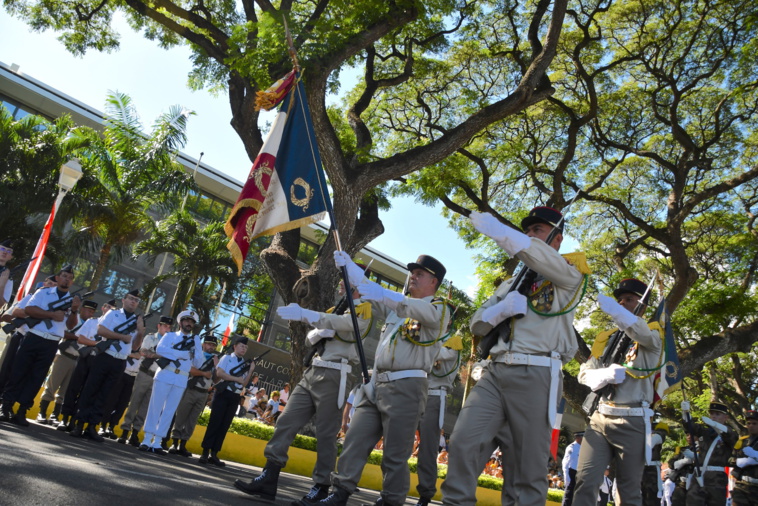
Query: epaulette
(579, 260)
(454, 342)
(600, 341)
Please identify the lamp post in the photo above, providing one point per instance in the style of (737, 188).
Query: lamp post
(71, 172)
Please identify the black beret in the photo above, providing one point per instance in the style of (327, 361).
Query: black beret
(111, 302)
(241, 340)
(167, 320)
(134, 293)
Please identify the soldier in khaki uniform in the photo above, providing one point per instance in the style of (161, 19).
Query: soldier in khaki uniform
(392, 404)
(321, 392)
(440, 384)
(745, 469)
(715, 442)
(652, 486)
(520, 387)
(620, 428)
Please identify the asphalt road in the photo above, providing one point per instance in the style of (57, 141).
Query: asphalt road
(41, 466)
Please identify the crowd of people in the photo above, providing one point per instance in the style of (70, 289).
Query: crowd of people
(527, 335)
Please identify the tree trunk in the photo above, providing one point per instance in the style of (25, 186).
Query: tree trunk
(102, 261)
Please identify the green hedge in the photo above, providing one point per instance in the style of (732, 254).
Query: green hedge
(258, 430)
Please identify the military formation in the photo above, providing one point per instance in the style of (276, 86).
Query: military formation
(106, 372)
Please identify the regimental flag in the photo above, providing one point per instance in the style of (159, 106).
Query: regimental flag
(286, 188)
(669, 377)
(39, 254)
(556, 434)
(228, 331)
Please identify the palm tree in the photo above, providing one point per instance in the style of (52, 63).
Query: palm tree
(200, 257)
(128, 176)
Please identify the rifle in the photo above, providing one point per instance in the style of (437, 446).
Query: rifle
(615, 353)
(522, 282)
(127, 327)
(697, 471)
(15, 270)
(63, 304)
(207, 366)
(184, 345)
(236, 371)
(339, 309)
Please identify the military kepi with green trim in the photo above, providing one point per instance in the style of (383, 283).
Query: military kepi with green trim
(430, 265)
(542, 214)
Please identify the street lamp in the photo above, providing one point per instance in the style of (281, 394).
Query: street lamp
(71, 172)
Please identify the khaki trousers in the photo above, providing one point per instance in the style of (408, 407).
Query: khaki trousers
(57, 382)
(136, 413)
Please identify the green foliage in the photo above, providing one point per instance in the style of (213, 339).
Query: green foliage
(126, 173)
(32, 151)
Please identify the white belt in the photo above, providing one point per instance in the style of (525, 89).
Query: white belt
(714, 468)
(621, 411)
(117, 355)
(442, 394)
(175, 370)
(46, 335)
(748, 479)
(387, 376)
(553, 362)
(343, 367)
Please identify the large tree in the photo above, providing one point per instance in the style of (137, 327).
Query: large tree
(393, 44)
(653, 121)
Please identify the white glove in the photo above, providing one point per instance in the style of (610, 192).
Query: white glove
(374, 291)
(354, 273)
(681, 463)
(745, 461)
(688, 454)
(511, 240)
(623, 318)
(598, 378)
(719, 427)
(296, 313)
(513, 304)
(316, 335)
(750, 452)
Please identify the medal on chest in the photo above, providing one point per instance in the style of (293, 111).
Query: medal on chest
(632, 353)
(542, 295)
(410, 329)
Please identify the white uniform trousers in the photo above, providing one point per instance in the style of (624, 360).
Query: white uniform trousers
(163, 403)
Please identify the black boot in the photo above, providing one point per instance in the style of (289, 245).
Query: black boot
(174, 447)
(318, 493)
(134, 439)
(6, 413)
(183, 449)
(164, 444)
(53, 420)
(66, 424)
(204, 457)
(20, 417)
(264, 485)
(77, 428)
(213, 459)
(91, 433)
(42, 415)
(422, 501)
(124, 437)
(338, 497)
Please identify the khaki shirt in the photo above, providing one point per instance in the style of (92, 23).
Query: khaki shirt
(424, 320)
(633, 391)
(535, 334)
(343, 344)
(446, 362)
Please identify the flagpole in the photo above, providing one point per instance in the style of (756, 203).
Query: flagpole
(330, 212)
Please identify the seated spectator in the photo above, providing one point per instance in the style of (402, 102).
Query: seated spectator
(272, 408)
(442, 457)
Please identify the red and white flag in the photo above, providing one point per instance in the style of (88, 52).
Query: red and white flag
(39, 254)
(556, 434)
(228, 331)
